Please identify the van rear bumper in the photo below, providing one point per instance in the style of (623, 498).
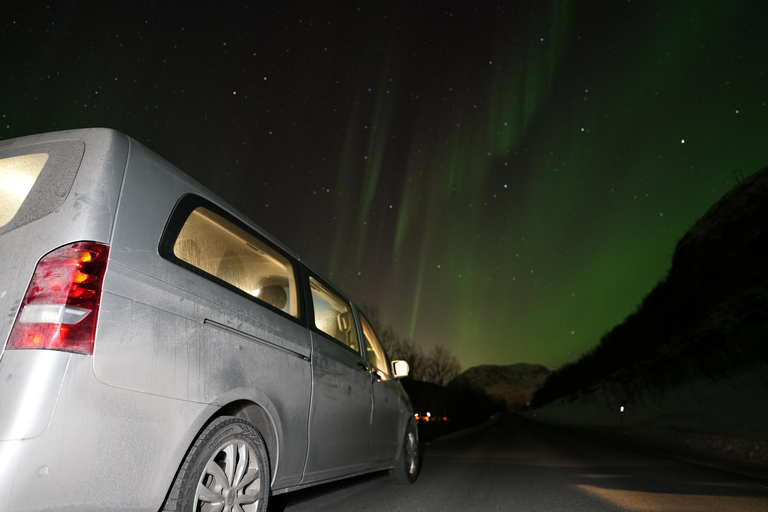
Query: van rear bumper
(31, 380)
(100, 448)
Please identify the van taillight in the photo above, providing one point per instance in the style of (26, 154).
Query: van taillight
(61, 305)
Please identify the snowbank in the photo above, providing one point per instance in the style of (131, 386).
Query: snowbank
(723, 422)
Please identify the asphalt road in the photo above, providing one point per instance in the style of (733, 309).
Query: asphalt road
(518, 466)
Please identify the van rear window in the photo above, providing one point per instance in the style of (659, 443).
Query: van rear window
(17, 175)
(35, 180)
(215, 246)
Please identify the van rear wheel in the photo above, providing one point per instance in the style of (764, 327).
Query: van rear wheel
(226, 469)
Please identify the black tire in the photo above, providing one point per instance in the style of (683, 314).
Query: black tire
(408, 463)
(226, 465)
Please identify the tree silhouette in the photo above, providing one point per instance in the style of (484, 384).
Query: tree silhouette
(438, 365)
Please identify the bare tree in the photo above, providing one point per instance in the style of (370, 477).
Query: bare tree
(404, 348)
(440, 365)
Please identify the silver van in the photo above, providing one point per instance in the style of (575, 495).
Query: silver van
(160, 351)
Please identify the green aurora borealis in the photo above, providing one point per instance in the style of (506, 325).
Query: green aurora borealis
(507, 179)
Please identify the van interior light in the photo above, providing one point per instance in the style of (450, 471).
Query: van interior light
(18, 175)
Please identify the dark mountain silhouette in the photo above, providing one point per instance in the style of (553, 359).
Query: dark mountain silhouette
(513, 384)
(689, 369)
(707, 319)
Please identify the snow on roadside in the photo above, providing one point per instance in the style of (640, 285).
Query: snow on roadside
(723, 422)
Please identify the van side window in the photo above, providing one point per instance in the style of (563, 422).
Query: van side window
(216, 246)
(374, 352)
(333, 316)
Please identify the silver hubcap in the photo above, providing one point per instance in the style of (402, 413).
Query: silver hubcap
(411, 453)
(230, 481)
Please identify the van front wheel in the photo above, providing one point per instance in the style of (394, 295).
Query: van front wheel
(226, 469)
(407, 466)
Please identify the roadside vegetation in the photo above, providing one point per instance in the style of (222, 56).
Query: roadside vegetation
(441, 407)
(438, 365)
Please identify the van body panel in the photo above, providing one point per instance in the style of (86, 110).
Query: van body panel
(385, 421)
(213, 340)
(86, 213)
(31, 381)
(123, 457)
(173, 348)
(341, 412)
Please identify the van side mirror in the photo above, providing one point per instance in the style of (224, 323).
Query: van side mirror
(400, 369)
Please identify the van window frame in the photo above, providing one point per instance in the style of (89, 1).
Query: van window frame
(386, 371)
(187, 204)
(310, 310)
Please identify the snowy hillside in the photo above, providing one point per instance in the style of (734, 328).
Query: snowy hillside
(690, 366)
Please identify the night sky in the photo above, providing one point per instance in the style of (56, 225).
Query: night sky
(508, 179)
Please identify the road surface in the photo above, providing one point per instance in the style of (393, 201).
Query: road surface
(519, 466)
